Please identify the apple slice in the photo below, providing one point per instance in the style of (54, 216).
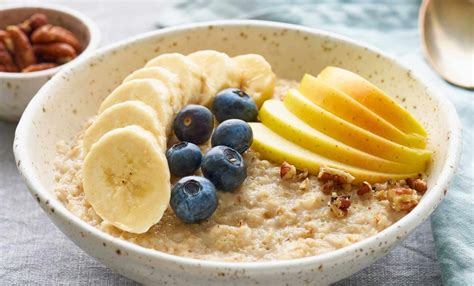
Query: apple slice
(349, 133)
(347, 108)
(277, 117)
(373, 98)
(273, 147)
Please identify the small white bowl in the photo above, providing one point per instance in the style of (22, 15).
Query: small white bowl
(62, 106)
(17, 89)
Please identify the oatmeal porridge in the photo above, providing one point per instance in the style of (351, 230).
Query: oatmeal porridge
(267, 218)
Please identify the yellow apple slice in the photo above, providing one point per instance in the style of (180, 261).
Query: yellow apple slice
(347, 108)
(349, 133)
(373, 98)
(273, 147)
(277, 117)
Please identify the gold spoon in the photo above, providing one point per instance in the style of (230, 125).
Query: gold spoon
(447, 39)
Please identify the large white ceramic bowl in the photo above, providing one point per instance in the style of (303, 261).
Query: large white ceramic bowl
(17, 89)
(61, 107)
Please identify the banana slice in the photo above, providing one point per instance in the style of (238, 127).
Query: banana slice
(126, 179)
(258, 79)
(222, 72)
(123, 114)
(151, 91)
(170, 79)
(190, 75)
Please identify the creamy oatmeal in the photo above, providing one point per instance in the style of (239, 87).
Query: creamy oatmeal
(267, 218)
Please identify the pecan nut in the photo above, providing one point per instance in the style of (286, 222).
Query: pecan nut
(402, 199)
(6, 60)
(23, 51)
(54, 34)
(34, 22)
(328, 186)
(336, 175)
(381, 195)
(417, 184)
(305, 185)
(364, 188)
(55, 52)
(287, 171)
(39, 67)
(339, 205)
(334, 178)
(303, 175)
(6, 40)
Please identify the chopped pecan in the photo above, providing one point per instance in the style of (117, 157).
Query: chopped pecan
(304, 186)
(381, 195)
(287, 171)
(347, 188)
(402, 199)
(364, 188)
(380, 187)
(334, 178)
(400, 183)
(336, 175)
(302, 175)
(339, 205)
(417, 184)
(328, 186)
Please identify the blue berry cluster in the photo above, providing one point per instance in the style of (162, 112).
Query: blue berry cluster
(194, 198)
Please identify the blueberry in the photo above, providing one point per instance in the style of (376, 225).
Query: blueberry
(193, 199)
(183, 159)
(194, 123)
(233, 103)
(233, 133)
(224, 167)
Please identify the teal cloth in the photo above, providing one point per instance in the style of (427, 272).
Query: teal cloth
(391, 26)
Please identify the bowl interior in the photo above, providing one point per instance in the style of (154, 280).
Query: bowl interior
(69, 99)
(13, 16)
(62, 106)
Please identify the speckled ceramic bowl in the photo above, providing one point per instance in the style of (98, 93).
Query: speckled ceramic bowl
(17, 89)
(60, 108)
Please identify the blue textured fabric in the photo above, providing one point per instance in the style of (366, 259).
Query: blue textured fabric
(391, 26)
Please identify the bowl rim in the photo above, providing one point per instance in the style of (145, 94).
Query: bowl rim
(90, 25)
(406, 224)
